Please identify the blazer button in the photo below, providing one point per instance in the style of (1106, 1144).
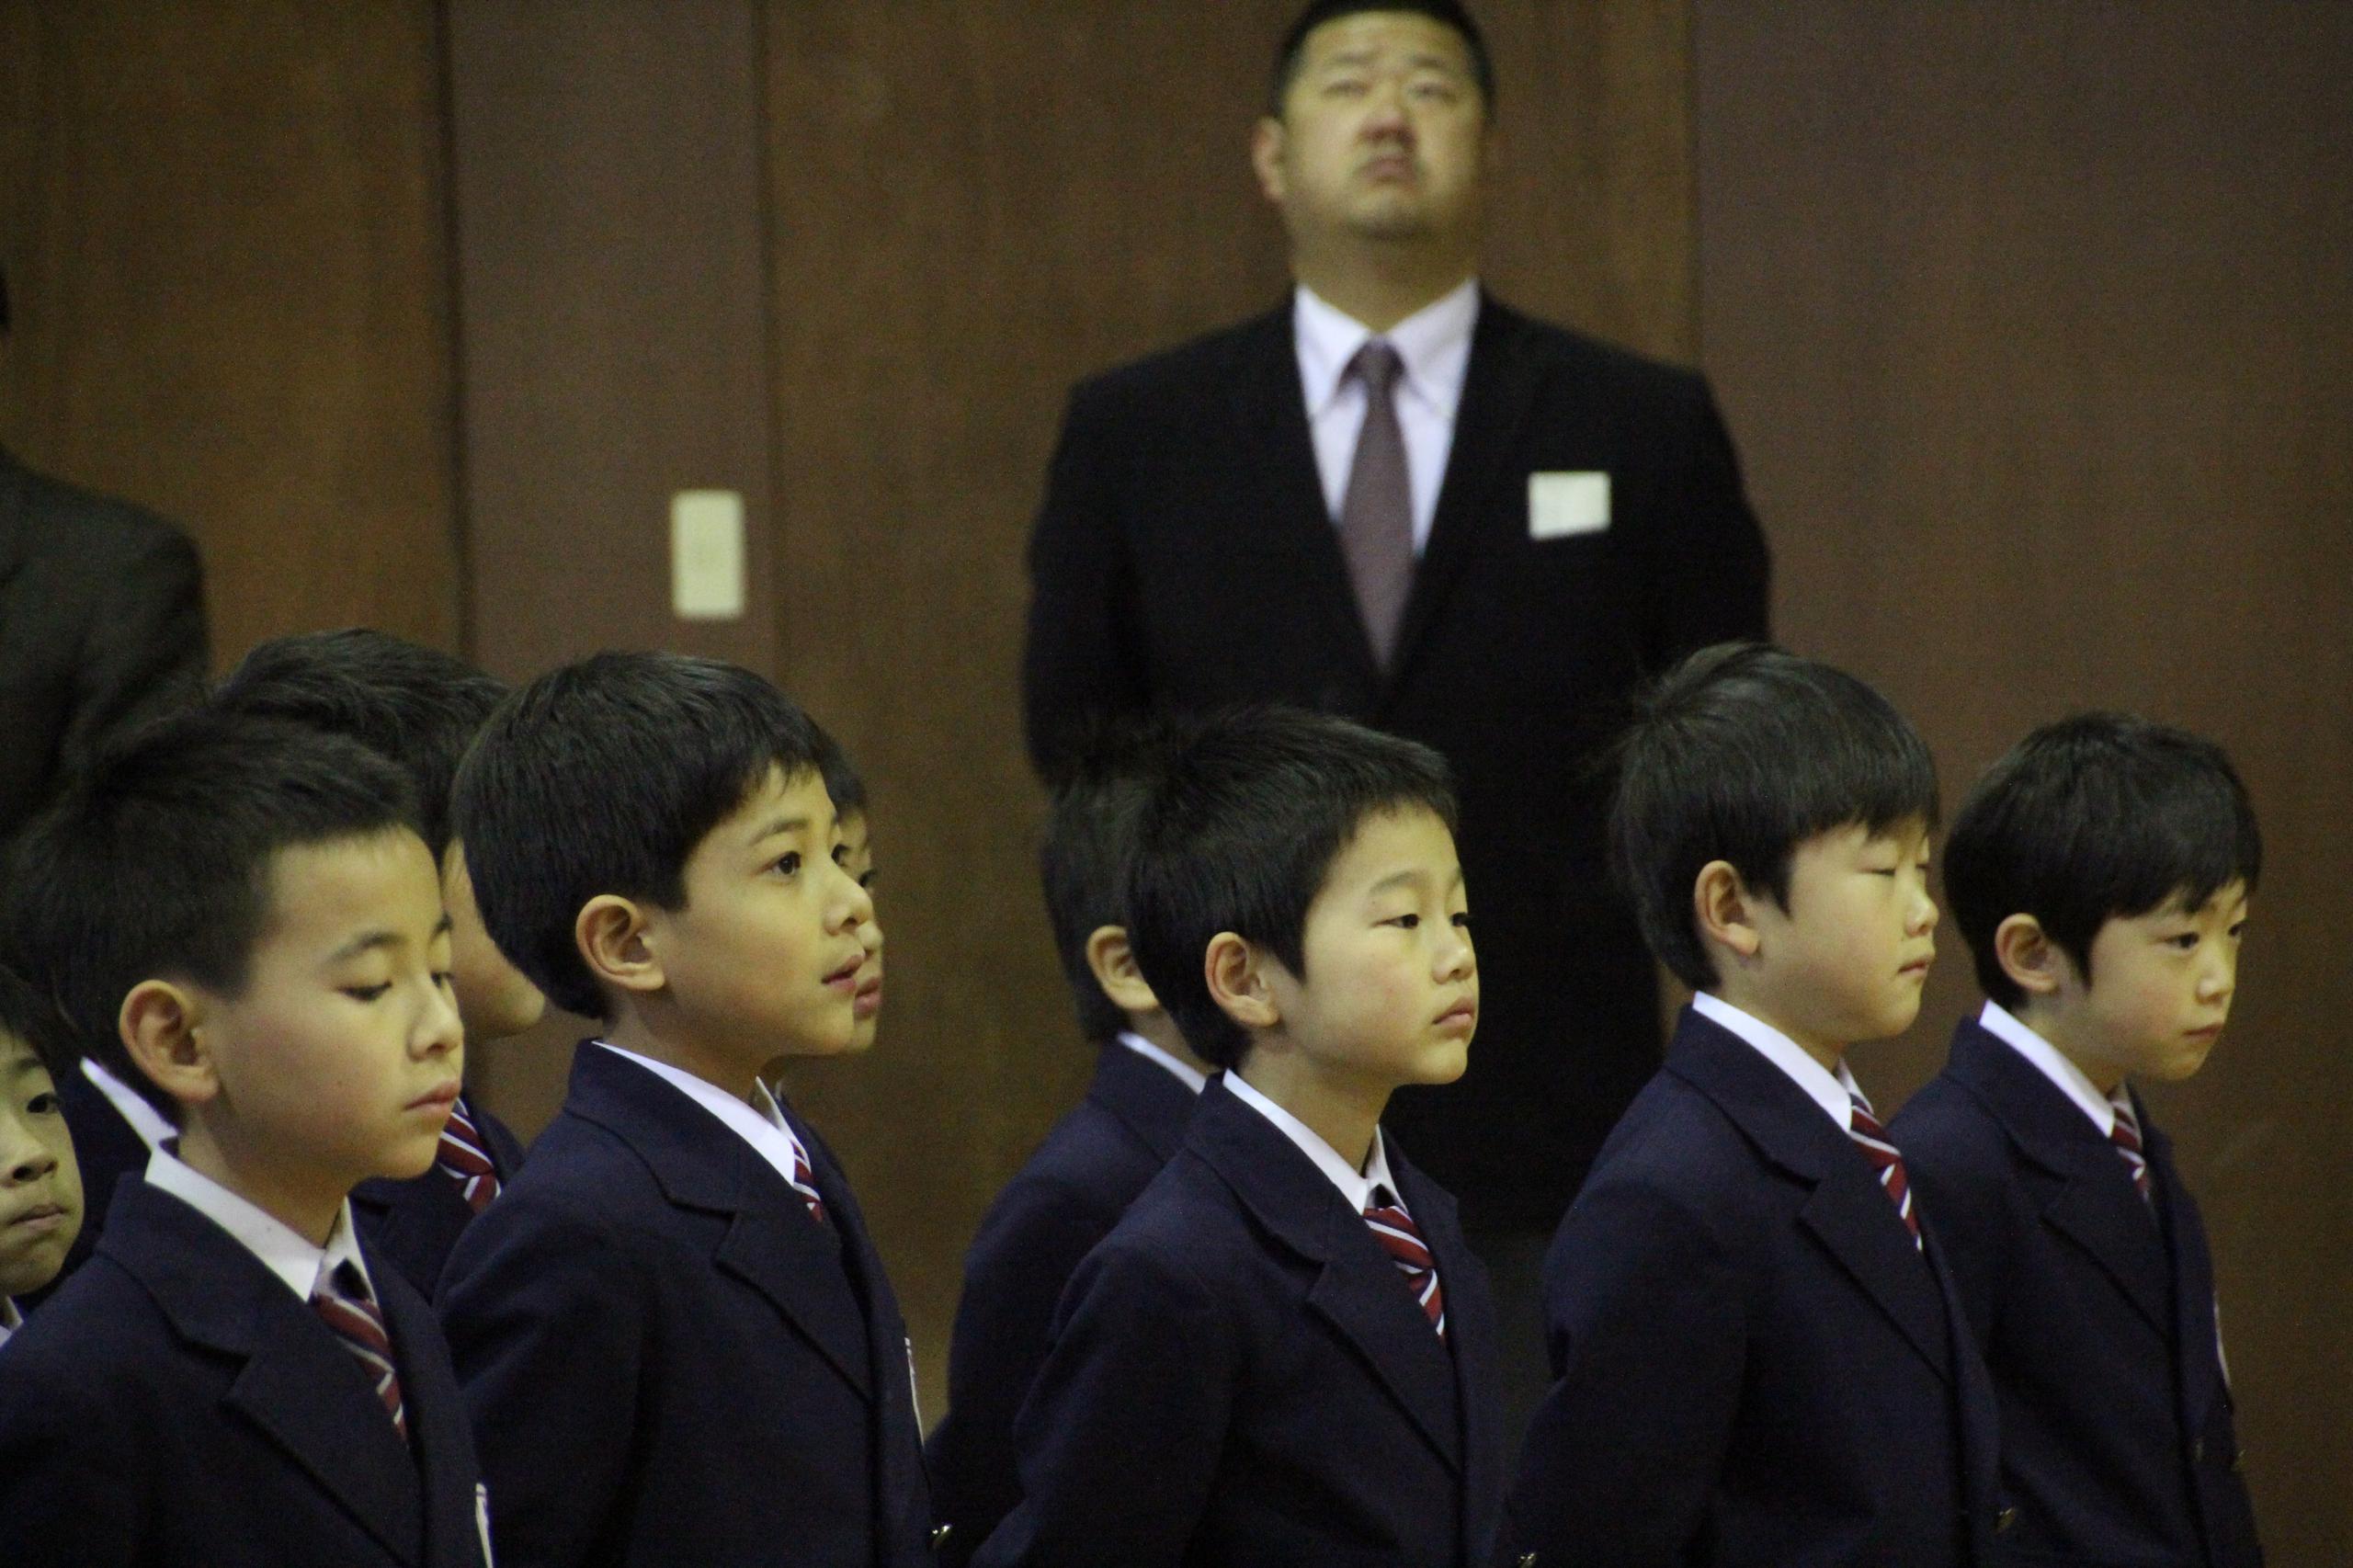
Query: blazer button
(2198, 1451)
(2005, 1521)
(940, 1536)
(1527, 1559)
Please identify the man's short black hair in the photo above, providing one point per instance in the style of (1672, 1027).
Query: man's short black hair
(1448, 12)
(1740, 753)
(1090, 844)
(417, 707)
(601, 778)
(155, 863)
(29, 1015)
(1240, 835)
(2097, 817)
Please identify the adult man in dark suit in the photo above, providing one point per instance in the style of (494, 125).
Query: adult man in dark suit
(1528, 523)
(101, 623)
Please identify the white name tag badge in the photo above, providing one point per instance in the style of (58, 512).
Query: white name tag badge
(1566, 503)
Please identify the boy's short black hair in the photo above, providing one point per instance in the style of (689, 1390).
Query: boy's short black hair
(601, 778)
(1240, 835)
(1447, 13)
(2097, 817)
(32, 1018)
(156, 862)
(843, 783)
(1089, 845)
(1740, 753)
(417, 707)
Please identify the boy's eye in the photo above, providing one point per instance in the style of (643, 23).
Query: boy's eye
(2187, 941)
(42, 1105)
(789, 862)
(866, 880)
(446, 979)
(1407, 922)
(841, 856)
(366, 992)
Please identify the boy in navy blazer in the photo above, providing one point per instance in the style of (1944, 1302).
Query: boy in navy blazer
(676, 1339)
(2100, 872)
(1758, 1353)
(239, 918)
(417, 708)
(1283, 1353)
(1092, 1164)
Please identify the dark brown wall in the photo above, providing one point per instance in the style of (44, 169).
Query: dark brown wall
(223, 229)
(2035, 325)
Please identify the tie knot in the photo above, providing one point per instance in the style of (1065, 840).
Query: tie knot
(1859, 1117)
(1377, 365)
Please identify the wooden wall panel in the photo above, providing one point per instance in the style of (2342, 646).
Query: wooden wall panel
(975, 204)
(224, 228)
(2036, 324)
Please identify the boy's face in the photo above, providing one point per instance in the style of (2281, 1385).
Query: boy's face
(856, 858)
(1844, 961)
(340, 1058)
(2159, 992)
(1390, 994)
(770, 951)
(40, 1187)
(493, 998)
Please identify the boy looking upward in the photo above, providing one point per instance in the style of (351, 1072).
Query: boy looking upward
(40, 1187)
(1755, 1348)
(2100, 873)
(1093, 1161)
(676, 1339)
(1284, 1353)
(241, 921)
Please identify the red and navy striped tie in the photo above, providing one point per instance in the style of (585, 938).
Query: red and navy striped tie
(464, 1159)
(2126, 1135)
(1402, 1239)
(341, 1297)
(1885, 1158)
(804, 1180)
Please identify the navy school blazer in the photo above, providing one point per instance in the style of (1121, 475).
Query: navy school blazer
(1051, 1214)
(669, 1361)
(414, 1223)
(1240, 1376)
(2095, 1314)
(176, 1403)
(1755, 1366)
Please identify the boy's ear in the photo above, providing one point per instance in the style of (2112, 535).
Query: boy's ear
(1113, 963)
(162, 1026)
(1266, 142)
(1238, 980)
(1719, 905)
(2029, 956)
(611, 933)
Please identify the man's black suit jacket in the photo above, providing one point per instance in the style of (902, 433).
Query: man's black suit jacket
(1185, 559)
(101, 623)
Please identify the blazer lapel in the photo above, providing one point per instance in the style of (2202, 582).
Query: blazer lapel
(1499, 390)
(2197, 1312)
(1142, 1096)
(1848, 1212)
(1356, 1290)
(1469, 1338)
(297, 1384)
(436, 1420)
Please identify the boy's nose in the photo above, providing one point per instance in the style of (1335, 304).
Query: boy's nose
(440, 1028)
(23, 1156)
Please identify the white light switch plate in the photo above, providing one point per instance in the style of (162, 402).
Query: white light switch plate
(707, 555)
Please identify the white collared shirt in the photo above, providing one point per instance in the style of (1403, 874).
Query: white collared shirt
(1834, 1091)
(1433, 345)
(282, 1250)
(763, 1128)
(1357, 1187)
(150, 1125)
(2071, 1081)
(11, 1319)
(1187, 1073)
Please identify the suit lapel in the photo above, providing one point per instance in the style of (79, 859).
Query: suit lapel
(1470, 1337)
(2197, 1320)
(436, 1419)
(1499, 389)
(1357, 1287)
(1847, 1211)
(297, 1384)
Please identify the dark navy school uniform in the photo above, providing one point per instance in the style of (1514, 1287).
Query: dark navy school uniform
(1756, 1365)
(1051, 1214)
(1240, 1376)
(412, 1224)
(669, 1361)
(2096, 1313)
(177, 1404)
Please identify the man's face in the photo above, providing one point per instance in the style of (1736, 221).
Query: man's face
(1383, 134)
(40, 1187)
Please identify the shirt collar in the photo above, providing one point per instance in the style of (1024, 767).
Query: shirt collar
(770, 1139)
(1355, 1186)
(2048, 1059)
(11, 1319)
(282, 1250)
(1187, 1074)
(150, 1125)
(1434, 345)
(1834, 1091)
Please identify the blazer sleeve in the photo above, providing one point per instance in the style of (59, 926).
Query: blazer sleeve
(1711, 574)
(72, 1481)
(1619, 1460)
(1120, 1438)
(545, 1314)
(1079, 659)
(144, 651)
